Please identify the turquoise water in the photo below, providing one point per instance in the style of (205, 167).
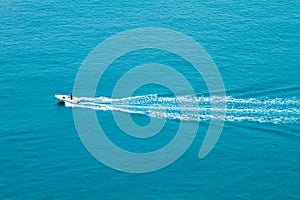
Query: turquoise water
(255, 46)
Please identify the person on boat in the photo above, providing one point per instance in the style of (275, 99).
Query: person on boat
(71, 96)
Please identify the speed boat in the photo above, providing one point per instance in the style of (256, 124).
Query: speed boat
(66, 98)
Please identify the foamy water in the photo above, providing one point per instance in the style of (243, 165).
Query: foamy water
(189, 108)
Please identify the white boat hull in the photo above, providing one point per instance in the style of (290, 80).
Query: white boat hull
(66, 98)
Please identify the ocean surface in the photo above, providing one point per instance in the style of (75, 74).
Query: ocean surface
(254, 44)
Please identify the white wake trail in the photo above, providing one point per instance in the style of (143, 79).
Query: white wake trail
(262, 110)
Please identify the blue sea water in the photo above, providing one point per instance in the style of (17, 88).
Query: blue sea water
(255, 45)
